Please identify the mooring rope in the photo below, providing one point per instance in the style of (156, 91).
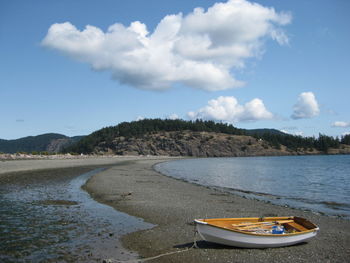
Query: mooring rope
(111, 260)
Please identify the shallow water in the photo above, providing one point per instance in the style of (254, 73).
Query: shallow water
(317, 183)
(60, 222)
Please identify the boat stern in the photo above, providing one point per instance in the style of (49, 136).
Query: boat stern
(200, 221)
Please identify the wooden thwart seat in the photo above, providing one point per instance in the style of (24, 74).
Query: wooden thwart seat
(297, 227)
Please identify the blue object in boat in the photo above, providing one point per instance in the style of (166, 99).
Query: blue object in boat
(277, 230)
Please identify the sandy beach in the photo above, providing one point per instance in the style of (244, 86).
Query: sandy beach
(12, 166)
(135, 188)
(131, 185)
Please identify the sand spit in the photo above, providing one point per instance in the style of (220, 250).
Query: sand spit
(10, 163)
(135, 188)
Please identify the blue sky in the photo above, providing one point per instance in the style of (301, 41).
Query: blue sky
(248, 64)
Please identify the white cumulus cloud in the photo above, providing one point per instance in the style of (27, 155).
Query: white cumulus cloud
(227, 109)
(341, 124)
(199, 50)
(306, 106)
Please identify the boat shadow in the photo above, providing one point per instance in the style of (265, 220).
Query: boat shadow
(202, 244)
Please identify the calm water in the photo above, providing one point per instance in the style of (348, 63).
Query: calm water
(317, 183)
(59, 222)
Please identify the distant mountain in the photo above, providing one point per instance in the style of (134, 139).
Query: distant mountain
(50, 142)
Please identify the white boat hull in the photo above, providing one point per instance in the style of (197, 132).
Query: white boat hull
(238, 239)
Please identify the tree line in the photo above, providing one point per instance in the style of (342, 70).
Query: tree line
(322, 143)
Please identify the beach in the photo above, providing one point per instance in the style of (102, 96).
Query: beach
(135, 188)
(131, 185)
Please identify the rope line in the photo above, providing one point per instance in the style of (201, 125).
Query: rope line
(111, 260)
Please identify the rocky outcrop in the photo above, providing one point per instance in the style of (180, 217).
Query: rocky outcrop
(188, 143)
(57, 145)
(201, 144)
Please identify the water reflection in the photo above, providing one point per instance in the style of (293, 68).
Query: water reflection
(318, 183)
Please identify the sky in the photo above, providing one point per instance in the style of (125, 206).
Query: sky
(73, 67)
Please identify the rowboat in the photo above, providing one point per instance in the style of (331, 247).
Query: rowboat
(254, 232)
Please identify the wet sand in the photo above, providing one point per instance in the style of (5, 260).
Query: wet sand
(52, 187)
(135, 188)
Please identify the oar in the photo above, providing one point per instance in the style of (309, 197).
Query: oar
(263, 223)
(253, 224)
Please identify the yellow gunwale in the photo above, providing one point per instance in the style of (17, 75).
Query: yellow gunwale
(266, 219)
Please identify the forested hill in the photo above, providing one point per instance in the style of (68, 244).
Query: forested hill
(49, 142)
(201, 138)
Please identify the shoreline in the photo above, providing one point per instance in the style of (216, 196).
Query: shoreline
(137, 189)
(36, 177)
(269, 197)
(132, 186)
(39, 175)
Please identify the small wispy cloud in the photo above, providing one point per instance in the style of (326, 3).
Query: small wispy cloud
(292, 132)
(199, 50)
(292, 128)
(341, 124)
(227, 109)
(306, 106)
(285, 131)
(20, 120)
(173, 116)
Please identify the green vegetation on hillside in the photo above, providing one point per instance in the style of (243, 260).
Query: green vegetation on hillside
(139, 128)
(34, 144)
(345, 139)
(293, 142)
(147, 126)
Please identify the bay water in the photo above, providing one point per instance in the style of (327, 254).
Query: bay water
(320, 183)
